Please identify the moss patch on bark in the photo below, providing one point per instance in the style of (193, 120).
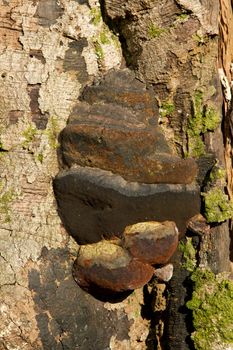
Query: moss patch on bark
(218, 207)
(204, 119)
(212, 308)
(211, 303)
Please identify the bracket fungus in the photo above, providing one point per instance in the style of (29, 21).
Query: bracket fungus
(115, 128)
(96, 204)
(108, 266)
(120, 170)
(151, 242)
(126, 264)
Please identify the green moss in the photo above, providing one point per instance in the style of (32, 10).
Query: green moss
(212, 309)
(98, 50)
(104, 39)
(204, 119)
(166, 109)
(29, 136)
(199, 38)
(196, 123)
(217, 173)
(5, 200)
(115, 40)
(183, 17)
(52, 132)
(189, 254)
(211, 119)
(1, 146)
(96, 16)
(40, 157)
(218, 207)
(154, 31)
(196, 147)
(211, 303)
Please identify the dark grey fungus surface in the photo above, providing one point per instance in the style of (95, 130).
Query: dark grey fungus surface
(95, 204)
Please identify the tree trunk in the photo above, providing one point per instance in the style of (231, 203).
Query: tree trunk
(51, 53)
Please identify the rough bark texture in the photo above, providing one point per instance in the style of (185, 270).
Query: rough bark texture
(173, 46)
(225, 62)
(50, 51)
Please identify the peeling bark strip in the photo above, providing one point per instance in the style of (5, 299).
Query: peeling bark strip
(226, 66)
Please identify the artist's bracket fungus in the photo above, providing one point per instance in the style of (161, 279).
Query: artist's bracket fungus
(126, 264)
(151, 242)
(122, 179)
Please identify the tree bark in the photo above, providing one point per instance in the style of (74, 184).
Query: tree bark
(49, 52)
